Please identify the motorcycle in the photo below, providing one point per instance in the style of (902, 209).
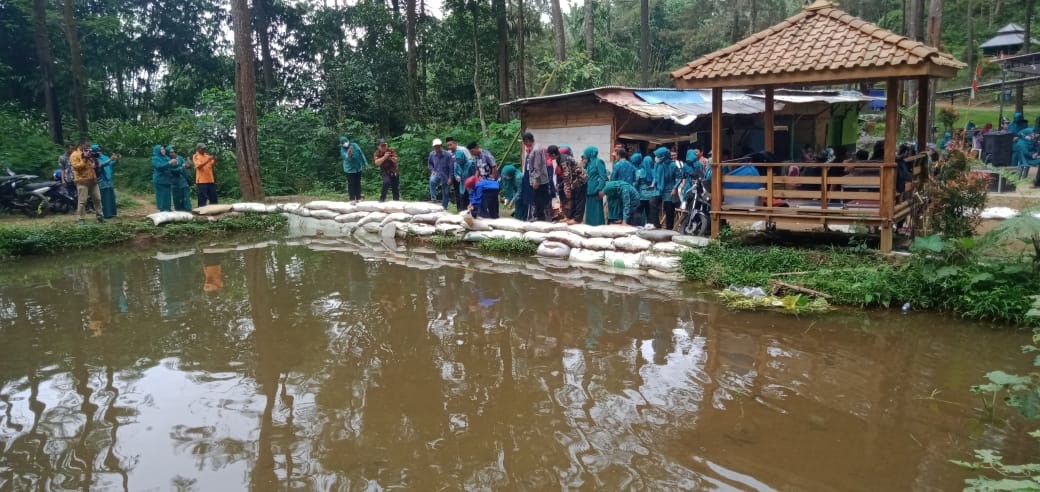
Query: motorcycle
(697, 220)
(58, 199)
(15, 196)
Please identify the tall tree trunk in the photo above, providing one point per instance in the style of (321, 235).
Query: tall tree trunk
(77, 70)
(734, 34)
(246, 153)
(753, 9)
(46, 61)
(935, 18)
(970, 50)
(915, 10)
(589, 38)
(476, 65)
(503, 57)
(558, 33)
(413, 55)
(644, 43)
(263, 34)
(521, 75)
(1020, 90)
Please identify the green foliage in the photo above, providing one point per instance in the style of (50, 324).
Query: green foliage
(1021, 393)
(24, 145)
(444, 241)
(26, 240)
(948, 116)
(511, 247)
(968, 277)
(957, 198)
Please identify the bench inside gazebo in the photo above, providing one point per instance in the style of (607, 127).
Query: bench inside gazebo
(821, 45)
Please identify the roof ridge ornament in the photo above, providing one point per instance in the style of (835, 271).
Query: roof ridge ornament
(819, 4)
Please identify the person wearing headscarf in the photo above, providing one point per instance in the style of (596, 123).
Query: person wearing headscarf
(666, 183)
(507, 181)
(354, 162)
(464, 169)
(624, 197)
(1017, 125)
(597, 172)
(162, 179)
(105, 170)
(181, 188)
(624, 169)
(574, 182)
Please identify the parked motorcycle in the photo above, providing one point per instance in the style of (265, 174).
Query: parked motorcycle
(697, 220)
(15, 195)
(58, 199)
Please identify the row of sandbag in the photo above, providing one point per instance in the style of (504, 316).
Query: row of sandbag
(599, 277)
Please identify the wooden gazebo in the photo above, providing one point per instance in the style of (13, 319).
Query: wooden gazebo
(821, 45)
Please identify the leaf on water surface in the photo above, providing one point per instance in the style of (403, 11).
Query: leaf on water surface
(988, 456)
(1004, 379)
(983, 483)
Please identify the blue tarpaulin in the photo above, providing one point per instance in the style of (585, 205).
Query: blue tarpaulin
(671, 97)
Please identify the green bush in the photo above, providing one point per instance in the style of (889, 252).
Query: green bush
(511, 247)
(444, 241)
(24, 144)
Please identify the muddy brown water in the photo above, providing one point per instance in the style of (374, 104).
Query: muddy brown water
(307, 366)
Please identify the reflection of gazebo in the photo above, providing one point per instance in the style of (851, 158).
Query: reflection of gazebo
(821, 45)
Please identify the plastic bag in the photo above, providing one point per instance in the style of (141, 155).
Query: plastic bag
(419, 208)
(161, 218)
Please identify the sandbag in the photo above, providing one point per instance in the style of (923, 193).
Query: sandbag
(398, 217)
(663, 275)
(657, 235)
(430, 219)
(324, 214)
(421, 230)
(212, 210)
(534, 237)
(477, 225)
(161, 218)
(376, 217)
(352, 217)
(612, 231)
(289, 207)
(249, 207)
(619, 259)
(508, 235)
(451, 219)
(692, 241)
(318, 205)
(582, 230)
(475, 236)
(449, 229)
(545, 227)
(372, 227)
(393, 207)
(302, 212)
(420, 208)
(553, 249)
(598, 243)
(270, 209)
(661, 263)
(369, 207)
(669, 248)
(508, 224)
(342, 207)
(566, 237)
(579, 255)
(631, 244)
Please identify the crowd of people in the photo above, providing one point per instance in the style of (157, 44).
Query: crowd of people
(86, 173)
(553, 183)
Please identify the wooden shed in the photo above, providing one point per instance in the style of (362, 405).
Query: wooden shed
(821, 45)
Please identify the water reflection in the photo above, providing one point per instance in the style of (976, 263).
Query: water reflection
(309, 368)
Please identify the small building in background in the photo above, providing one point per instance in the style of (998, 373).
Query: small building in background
(1008, 41)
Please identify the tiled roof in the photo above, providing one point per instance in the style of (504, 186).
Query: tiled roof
(820, 40)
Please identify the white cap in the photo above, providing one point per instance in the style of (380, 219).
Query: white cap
(436, 142)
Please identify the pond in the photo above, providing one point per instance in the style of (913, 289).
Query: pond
(304, 365)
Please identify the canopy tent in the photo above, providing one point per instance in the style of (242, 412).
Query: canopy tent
(821, 45)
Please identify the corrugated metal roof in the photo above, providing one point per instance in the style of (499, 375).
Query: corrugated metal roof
(552, 97)
(733, 102)
(829, 97)
(1006, 39)
(671, 97)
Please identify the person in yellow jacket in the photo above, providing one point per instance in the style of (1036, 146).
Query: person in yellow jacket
(207, 188)
(85, 176)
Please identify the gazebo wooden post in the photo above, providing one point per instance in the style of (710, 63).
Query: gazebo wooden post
(923, 132)
(888, 171)
(716, 158)
(768, 127)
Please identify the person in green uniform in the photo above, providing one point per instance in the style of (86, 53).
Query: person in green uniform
(106, 168)
(179, 175)
(644, 177)
(623, 171)
(507, 182)
(162, 178)
(623, 196)
(597, 172)
(666, 183)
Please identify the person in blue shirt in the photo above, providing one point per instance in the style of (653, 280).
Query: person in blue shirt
(354, 163)
(181, 187)
(464, 169)
(441, 164)
(665, 186)
(623, 196)
(483, 201)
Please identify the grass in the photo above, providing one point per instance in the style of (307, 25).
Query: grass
(28, 239)
(511, 247)
(988, 113)
(444, 241)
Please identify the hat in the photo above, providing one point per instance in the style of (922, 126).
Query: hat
(437, 142)
(200, 146)
(342, 138)
(95, 147)
(380, 142)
